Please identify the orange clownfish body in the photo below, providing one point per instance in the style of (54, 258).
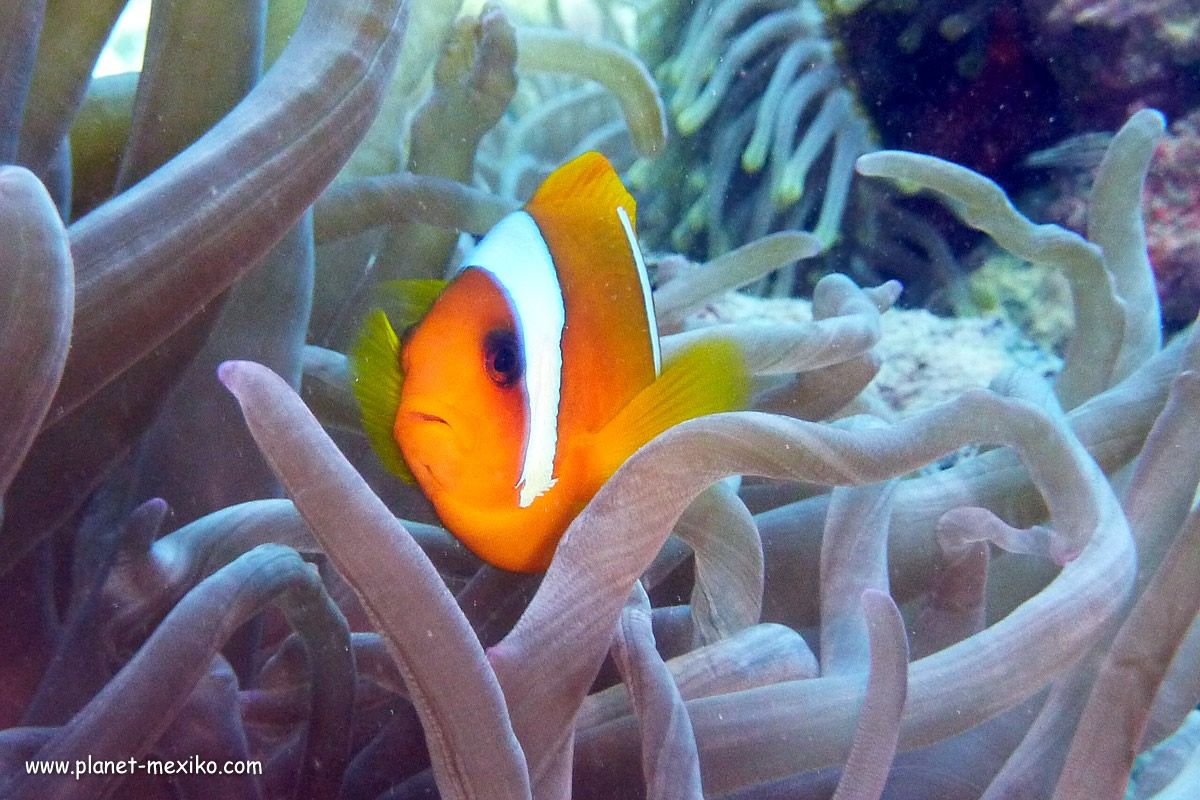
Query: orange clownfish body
(528, 379)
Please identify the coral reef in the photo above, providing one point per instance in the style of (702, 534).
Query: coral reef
(985, 83)
(924, 359)
(1173, 219)
(1171, 206)
(1122, 53)
(1033, 297)
(1172, 24)
(953, 79)
(1023, 622)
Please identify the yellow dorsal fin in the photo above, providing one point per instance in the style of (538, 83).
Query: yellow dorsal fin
(406, 301)
(375, 379)
(580, 187)
(706, 378)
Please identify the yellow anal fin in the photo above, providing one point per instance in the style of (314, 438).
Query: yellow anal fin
(406, 302)
(375, 380)
(707, 378)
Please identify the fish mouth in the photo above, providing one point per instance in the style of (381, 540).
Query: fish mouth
(434, 423)
(423, 416)
(427, 438)
(427, 410)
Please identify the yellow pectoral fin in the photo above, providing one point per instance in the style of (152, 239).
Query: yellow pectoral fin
(406, 301)
(707, 378)
(375, 379)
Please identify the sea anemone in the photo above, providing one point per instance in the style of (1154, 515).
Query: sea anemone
(768, 132)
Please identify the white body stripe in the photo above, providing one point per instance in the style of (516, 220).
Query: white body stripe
(647, 295)
(516, 255)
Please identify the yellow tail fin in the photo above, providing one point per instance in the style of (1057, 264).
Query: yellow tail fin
(708, 378)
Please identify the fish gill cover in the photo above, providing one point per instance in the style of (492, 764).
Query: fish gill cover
(201, 557)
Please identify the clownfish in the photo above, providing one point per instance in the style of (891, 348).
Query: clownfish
(519, 386)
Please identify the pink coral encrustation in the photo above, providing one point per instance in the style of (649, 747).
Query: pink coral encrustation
(1172, 212)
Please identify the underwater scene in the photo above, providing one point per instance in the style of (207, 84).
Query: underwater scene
(585, 399)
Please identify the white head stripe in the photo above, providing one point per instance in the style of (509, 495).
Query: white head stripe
(516, 255)
(647, 296)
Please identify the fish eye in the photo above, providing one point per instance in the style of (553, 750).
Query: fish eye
(502, 358)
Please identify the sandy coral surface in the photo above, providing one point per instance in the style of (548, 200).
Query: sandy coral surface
(926, 359)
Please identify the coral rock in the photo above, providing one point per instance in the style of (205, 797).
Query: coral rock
(1172, 208)
(926, 359)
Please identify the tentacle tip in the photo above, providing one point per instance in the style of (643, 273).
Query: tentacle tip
(232, 372)
(1153, 120)
(753, 162)
(227, 372)
(143, 525)
(868, 164)
(811, 245)
(154, 506)
(954, 530)
(787, 193)
(492, 9)
(10, 175)
(689, 120)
